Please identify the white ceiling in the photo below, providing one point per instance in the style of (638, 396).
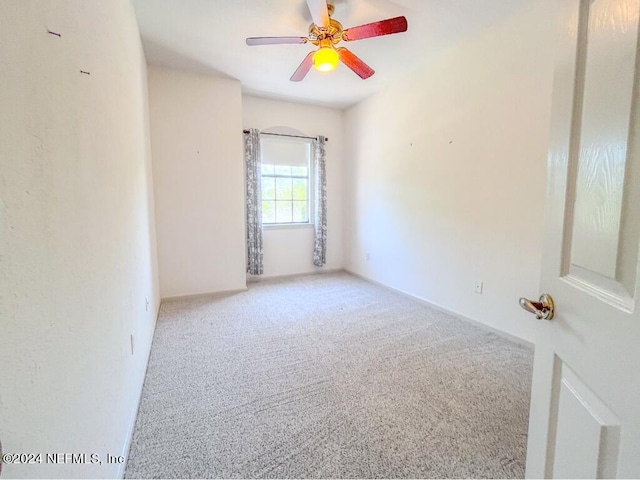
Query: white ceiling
(208, 36)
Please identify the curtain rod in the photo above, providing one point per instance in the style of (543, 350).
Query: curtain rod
(285, 135)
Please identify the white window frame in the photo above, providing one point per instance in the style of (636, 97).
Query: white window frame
(310, 186)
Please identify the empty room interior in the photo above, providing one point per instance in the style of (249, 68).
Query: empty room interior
(319, 239)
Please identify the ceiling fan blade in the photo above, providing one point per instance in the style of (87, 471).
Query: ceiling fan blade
(275, 40)
(319, 12)
(376, 29)
(304, 68)
(361, 69)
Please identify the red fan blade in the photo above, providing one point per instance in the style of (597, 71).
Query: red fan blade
(319, 12)
(361, 69)
(376, 29)
(275, 40)
(304, 68)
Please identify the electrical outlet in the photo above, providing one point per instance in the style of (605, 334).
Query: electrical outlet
(368, 256)
(477, 286)
(147, 305)
(132, 342)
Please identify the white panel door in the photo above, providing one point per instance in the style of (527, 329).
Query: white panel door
(585, 407)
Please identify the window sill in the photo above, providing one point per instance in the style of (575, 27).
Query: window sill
(287, 225)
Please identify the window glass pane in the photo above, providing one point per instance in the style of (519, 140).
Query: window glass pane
(268, 212)
(299, 171)
(299, 188)
(268, 188)
(283, 212)
(283, 188)
(285, 199)
(268, 169)
(300, 212)
(283, 170)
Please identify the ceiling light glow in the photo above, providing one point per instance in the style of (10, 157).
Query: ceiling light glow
(325, 59)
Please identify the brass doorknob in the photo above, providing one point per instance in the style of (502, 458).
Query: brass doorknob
(544, 309)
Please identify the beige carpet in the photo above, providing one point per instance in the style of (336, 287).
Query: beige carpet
(328, 376)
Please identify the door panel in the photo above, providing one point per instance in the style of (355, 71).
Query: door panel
(601, 125)
(603, 101)
(587, 432)
(585, 419)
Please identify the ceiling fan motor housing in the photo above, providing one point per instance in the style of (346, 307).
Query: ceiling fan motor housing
(333, 32)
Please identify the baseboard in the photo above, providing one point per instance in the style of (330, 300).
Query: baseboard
(201, 295)
(134, 414)
(440, 308)
(261, 278)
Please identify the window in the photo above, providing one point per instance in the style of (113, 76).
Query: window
(285, 181)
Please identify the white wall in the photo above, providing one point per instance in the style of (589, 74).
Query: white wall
(289, 250)
(446, 174)
(77, 241)
(198, 164)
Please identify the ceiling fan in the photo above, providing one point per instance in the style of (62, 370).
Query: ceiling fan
(326, 33)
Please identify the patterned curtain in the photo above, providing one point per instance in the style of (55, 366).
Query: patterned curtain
(320, 247)
(254, 202)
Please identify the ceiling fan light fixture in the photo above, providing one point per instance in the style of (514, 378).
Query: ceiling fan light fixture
(325, 33)
(326, 59)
